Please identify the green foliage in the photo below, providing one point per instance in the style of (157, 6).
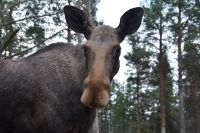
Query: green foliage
(38, 21)
(120, 112)
(155, 42)
(35, 33)
(191, 61)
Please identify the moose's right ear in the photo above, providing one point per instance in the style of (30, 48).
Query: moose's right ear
(77, 20)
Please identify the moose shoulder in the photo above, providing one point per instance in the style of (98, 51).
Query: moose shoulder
(57, 89)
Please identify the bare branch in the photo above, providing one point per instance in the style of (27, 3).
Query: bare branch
(30, 17)
(27, 50)
(8, 41)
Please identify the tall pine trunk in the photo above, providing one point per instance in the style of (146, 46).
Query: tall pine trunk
(78, 4)
(95, 126)
(162, 103)
(138, 117)
(1, 51)
(180, 69)
(161, 77)
(89, 8)
(69, 36)
(0, 29)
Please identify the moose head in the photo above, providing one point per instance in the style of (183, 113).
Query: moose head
(102, 51)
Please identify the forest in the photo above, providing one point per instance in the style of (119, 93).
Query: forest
(162, 91)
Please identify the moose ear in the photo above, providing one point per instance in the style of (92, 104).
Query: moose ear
(77, 20)
(129, 22)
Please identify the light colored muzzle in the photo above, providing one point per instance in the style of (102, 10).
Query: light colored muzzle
(96, 93)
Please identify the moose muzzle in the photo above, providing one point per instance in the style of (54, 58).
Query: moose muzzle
(96, 92)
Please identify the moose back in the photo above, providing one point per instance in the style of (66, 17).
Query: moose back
(58, 88)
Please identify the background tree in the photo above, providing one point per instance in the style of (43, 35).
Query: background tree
(178, 29)
(119, 115)
(33, 19)
(184, 19)
(27, 25)
(139, 64)
(191, 67)
(165, 23)
(155, 22)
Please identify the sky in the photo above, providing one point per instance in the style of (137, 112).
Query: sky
(110, 12)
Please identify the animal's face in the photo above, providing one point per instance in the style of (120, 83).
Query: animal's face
(102, 51)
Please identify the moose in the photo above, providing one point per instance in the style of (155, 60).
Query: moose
(58, 88)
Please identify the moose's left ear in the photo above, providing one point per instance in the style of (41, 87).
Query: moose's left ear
(129, 22)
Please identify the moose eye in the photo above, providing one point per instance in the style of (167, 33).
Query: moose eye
(117, 53)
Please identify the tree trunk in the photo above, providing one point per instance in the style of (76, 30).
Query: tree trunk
(95, 126)
(181, 94)
(69, 36)
(193, 119)
(110, 129)
(138, 117)
(130, 126)
(161, 78)
(0, 29)
(162, 103)
(180, 80)
(89, 8)
(78, 34)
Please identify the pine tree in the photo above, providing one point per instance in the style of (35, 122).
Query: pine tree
(28, 25)
(191, 68)
(179, 34)
(155, 23)
(138, 62)
(171, 108)
(8, 32)
(183, 22)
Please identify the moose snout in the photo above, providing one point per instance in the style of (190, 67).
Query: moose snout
(96, 93)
